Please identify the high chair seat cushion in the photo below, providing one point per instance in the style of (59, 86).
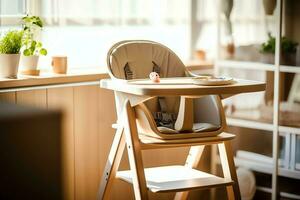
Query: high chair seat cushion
(205, 127)
(197, 128)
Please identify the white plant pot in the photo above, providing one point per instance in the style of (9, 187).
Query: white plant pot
(28, 62)
(9, 64)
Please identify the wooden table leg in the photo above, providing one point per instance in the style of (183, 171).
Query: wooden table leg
(192, 161)
(112, 164)
(229, 171)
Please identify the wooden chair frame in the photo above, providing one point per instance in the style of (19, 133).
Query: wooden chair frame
(137, 131)
(127, 135)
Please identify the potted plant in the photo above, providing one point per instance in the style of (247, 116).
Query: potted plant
(10, 45)
(287, 57)
(288, 51)
(32, 49)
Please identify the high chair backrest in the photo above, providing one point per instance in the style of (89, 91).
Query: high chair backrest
(142, 57)
(132, 59)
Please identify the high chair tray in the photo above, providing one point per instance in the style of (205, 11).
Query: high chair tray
(176, 178)
(183, 88)
(199, 80)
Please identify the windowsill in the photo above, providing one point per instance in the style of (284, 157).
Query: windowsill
(49, 78)
(76, 76)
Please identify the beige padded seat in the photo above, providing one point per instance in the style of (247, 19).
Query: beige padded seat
(135, 60)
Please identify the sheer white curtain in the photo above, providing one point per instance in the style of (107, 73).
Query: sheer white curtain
(115, 12)
(85, 30)
(250, 25)
(10, 13)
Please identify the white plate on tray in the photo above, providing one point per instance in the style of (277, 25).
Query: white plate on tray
(212, 80)
(200, 80)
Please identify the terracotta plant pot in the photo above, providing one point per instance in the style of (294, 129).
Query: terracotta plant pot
(9, 64)
(28, 62)
(288, 59)
(285, 59)
(269, 6)
(268, 58)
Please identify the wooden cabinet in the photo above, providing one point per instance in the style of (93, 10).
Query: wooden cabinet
(86, 141)
(36, 98)
(88, 113)
(8, 97)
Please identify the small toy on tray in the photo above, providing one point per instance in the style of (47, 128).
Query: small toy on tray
(154, 77)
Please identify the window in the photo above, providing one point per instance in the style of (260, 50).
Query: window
(85, 30)
(11, 11)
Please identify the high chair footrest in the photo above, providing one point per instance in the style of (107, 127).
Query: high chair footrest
(176, 178)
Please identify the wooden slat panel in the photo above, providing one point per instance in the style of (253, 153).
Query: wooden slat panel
(62, 98)
(86, 142)
(8, 97)
(36, 98)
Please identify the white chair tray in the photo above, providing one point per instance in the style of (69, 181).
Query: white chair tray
(200, 80)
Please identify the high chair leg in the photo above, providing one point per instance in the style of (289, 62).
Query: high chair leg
(112, 164)
(229, 171)
(192, 161)
(135, 154)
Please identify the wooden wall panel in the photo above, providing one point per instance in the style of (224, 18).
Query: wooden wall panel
(36, 98)
(88, 113)
(107, 117)
(86, 142)
(8, 97)
(62, 99)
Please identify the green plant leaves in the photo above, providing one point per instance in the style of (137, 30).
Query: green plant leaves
(32, 20)
(39, 45)
(31, 46)
(26, 52)
(43, 52)
(34, 48)
(11, 43)
(269, 46)
(287, 45)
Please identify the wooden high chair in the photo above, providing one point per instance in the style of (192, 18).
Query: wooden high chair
(143, 108)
